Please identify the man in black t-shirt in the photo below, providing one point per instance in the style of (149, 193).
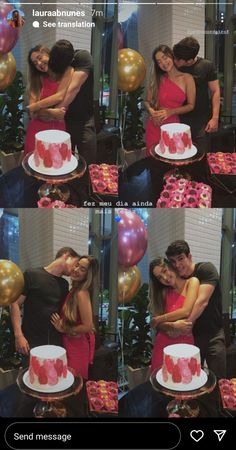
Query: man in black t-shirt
(206, 315)
(78, 100)
(43, 294)
(205, 115)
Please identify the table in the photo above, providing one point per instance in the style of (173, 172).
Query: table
(14, 403)
(184, 403)
(19, 190)
(56, 186)
(50, 404)
(142, 183)
(178, 166)
(143, 401)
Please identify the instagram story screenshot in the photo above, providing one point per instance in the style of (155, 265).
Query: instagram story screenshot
(117, 318)
(114, 314)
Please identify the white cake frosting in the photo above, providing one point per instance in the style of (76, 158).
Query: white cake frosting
(52, 150)
(175, 139)
(181, 365)
(48, 366)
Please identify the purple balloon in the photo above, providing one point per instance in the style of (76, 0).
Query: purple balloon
(5, 8)
(8, 37)
(132, 238)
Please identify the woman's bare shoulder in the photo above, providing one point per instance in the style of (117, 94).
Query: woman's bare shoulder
(187, 77)
(83, 294)
(193, 281)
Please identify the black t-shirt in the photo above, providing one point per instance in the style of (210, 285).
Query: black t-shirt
(210, 321)
(45, 294)
(81, 109)
(202, 71)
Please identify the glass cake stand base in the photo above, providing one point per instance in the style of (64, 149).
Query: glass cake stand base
(177, 173)
(49, 409)
(183, 408)
(55, 192)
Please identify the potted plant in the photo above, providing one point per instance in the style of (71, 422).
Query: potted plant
(11, 124)
(137, 341)
(10, 361)
(132, 130)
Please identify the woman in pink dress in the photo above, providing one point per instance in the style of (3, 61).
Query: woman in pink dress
(170, 93)
(171, 298)
(43, 84)
(76, 318)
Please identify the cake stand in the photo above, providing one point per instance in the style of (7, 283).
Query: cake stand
(50, 404)
(184, 403)
(178, 163)
(55, 186)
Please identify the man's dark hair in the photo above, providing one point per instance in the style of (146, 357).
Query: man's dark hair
(62, 251)
(186, 49)
(61, 56)
(177, 247)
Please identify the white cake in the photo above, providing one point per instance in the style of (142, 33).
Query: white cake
(181, 365)
(52, 150)
(175, 138)
(48, 366)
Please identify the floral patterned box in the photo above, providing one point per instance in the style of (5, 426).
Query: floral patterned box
(228, 395)
(104, 179)
(102, 396)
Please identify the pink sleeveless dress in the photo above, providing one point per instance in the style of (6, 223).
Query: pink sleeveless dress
(174, 301)
(49, 87)
(80, 349)
(170, 96)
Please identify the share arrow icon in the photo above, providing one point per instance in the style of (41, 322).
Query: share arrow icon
(220, 434)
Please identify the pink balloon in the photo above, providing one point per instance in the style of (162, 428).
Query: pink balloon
(8, 37)
(132, 238)
(5, 8)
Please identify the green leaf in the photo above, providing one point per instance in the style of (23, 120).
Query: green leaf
(131, 111)
(135, 329)
(11, 116)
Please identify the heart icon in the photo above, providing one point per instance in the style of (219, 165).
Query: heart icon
(196, 435)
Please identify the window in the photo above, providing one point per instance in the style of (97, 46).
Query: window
(9, 236)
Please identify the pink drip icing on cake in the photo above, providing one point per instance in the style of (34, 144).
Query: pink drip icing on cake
(48, 366)
(175, 138)
(52, 149)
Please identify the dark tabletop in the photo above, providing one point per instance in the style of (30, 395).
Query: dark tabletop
(19, 190)
(144, 401)
(14, 403)
(139, 185)
(142, 183)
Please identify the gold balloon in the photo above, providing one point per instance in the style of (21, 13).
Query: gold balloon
(11, 282)
(7, 70)
(129, 282)
(131, 69)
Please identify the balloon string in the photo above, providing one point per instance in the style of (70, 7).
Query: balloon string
(123, 378)
(123, 98)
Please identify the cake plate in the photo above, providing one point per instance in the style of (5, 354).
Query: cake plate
(184, 403)
(50, 404)
(178, 164)
(55, 186)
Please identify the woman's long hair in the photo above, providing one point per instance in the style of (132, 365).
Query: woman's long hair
(157, 73)
(157, 290)
(70, 310)
(34, 75)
